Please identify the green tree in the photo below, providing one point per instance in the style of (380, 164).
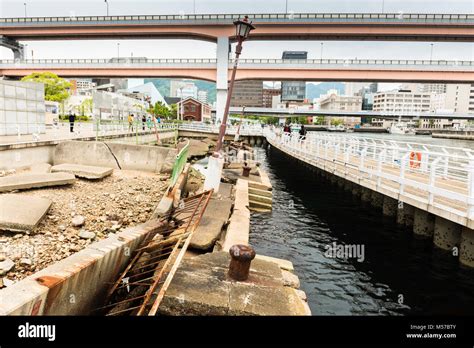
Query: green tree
(336, 122)
(55, 88)
(87, 106)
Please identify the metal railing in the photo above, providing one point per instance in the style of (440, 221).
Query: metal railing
(257, 18)
(245, 130)
(439, 176)
(140, 62)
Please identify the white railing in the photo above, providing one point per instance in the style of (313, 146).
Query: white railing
(439, 176)
(431, 18)
(245, 130)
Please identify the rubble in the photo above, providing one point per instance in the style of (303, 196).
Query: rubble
(55, 237)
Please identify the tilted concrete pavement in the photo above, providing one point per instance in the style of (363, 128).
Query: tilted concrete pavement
(201, 287)
(26, 181)
(22, 213)
(83, 171)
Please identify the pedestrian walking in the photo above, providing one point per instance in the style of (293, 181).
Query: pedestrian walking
(72, 119)
(130, 122)
(143, 122)
(302, 132)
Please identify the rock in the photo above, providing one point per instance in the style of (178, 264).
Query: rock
(116, 227)
(62, 227)
(78, 220)
(5, 266)
(86, 234)
(112, 196)
(2, 173)
(26, 262)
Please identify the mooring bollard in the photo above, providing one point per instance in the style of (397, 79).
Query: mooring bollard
(241, 258)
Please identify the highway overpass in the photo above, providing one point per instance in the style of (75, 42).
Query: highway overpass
(253, 69)
(290, 26)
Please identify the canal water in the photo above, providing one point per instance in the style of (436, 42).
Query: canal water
(400, 274)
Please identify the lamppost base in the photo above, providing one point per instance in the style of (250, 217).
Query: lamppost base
(214, 173)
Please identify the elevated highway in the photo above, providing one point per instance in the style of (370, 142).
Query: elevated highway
(253, 69)
(274, 26)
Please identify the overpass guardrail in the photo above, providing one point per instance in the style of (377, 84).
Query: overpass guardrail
(439, 178)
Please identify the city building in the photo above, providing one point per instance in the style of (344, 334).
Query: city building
(183, 89)
(267, 96)
(247, 93)
(147, 92)
(333, 101)
(293, 90)
(116, 106)
(191, 109)
(353, 88)
(202, 96)
(438, 88)
(460, 98)
(402, 101)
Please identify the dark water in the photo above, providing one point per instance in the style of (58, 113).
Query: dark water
(309, 214)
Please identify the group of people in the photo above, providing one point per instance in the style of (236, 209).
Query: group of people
(287, 130)
(146, 121)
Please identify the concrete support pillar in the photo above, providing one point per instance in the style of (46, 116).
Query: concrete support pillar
(377, 200)
(222, 76)
(389, 206)
(258, 141)
(405, 215)
(340, 182)
(447, 234)
(466, 252)
(365, 195)
(423, 223)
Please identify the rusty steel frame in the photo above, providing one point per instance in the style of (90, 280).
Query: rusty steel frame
(195, 206)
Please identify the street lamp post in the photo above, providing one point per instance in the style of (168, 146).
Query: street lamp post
(24, 4)
(118, 49)
(243, 28)
(322, 46)
(431, 52)
(107, 4)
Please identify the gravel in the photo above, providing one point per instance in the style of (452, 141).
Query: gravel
(126, 198)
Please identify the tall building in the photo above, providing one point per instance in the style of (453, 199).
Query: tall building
(247, 93)
(293, 90)
(425, 87)
(268, 94)
(402, 101)
(353, 88)
(460, 98)
(202, 96)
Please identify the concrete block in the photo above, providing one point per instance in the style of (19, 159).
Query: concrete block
(83, 171)
(283, 264)
(389, 207)
(22, 213)
(377, 200)
(26, 181)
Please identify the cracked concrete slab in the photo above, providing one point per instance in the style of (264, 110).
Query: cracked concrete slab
(27, 181)
(83, 171)
(22, 213)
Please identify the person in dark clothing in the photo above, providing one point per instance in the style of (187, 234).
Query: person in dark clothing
(143, 122)
(302, 132)
(286, 129)
(72, 119)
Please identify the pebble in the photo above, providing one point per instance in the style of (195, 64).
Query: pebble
(78, 221)
(62, 227)
(6, 266)
(86, 234)
(26, 262)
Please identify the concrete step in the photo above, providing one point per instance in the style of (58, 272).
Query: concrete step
(27, 181)
(259, 192)
(260, 205)
(22, 213)
(260, 199)
(83, 171)
(259, 186)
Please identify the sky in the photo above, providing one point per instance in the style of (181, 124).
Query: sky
(253, 49)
